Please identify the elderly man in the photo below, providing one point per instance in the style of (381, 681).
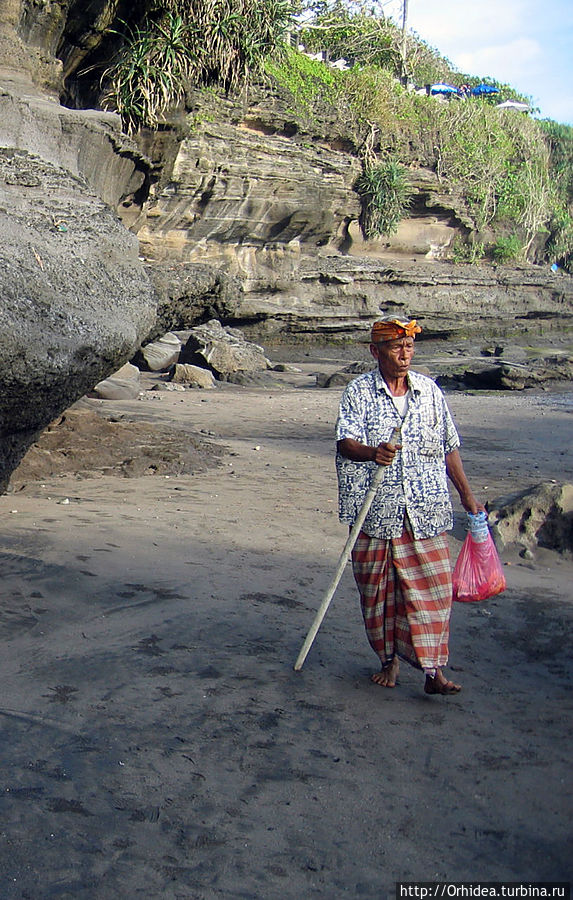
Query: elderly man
(399, 419)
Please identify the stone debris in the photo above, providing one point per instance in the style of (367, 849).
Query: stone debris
(168, 386)
(86, 444)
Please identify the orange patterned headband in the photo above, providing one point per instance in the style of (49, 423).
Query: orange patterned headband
(391, 329)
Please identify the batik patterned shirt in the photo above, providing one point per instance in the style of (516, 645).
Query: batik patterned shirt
(415, 484)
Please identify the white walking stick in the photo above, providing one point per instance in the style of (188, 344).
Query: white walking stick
(344, 556)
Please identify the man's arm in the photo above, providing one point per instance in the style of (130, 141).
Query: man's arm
(455, 470)
(383, 454)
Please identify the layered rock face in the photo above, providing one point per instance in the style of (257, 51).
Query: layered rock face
(257, 195)
(76, 301)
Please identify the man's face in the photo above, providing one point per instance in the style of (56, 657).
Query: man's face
(394, 357)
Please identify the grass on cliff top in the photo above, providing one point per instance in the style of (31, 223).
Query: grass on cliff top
(515, 173)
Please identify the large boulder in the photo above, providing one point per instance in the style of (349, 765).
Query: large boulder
(541, 516)
(76, 301)
(190, 293)
(223, 350)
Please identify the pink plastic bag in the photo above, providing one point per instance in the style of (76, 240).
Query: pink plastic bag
(477, 573)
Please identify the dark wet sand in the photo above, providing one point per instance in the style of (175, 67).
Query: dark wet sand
(156, 741)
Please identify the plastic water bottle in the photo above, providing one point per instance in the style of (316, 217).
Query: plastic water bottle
(478, 527)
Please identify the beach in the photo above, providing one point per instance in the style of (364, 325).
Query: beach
(156, 740)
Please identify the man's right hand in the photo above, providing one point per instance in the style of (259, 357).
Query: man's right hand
(385, 453)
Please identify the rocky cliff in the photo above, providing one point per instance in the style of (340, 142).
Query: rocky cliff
(261, 195)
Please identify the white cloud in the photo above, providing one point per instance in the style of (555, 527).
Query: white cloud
(507, 62)
(445, 27)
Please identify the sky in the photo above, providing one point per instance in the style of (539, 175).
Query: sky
(525, 43)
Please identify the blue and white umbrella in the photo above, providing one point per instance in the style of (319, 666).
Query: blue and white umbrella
(443, 89)
(484, 89)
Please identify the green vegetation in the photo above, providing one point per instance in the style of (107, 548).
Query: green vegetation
(507, 249)
(309, 81)
(151, 73)
(467, 250)
(560, 225)
(183, 43)
(366, 38)
(385, 197)
(512, 177)
(499, 161)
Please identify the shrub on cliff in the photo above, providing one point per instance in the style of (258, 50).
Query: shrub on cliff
(190, 42)
(385, 197)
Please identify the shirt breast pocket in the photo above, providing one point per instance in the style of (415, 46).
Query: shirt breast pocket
(430, 441)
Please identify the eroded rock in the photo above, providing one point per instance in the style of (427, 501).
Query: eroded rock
(541, 516)
(192, 376)
(122, 385)
(76, 301)
(223, 350)
(159, 355)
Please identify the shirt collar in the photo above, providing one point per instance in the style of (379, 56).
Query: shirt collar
(381, 385)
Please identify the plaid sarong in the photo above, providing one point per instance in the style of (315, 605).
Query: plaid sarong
(406, 596)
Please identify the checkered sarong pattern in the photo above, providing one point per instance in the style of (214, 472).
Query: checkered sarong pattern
(405, 590)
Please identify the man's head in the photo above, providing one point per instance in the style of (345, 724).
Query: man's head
(392, 345)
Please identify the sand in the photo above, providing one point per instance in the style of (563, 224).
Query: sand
(156, 741)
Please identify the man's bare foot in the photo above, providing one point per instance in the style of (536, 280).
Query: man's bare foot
(439, 684)
(388, 675)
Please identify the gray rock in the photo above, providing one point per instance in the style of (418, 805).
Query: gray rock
(335, 379)
(224, 350)
(286, 367)
(189, 293)
(359, 368)
(540, 516)
(252, 379)
(122, 385)
(495, 350)
(192, 376)
(168, 386)
(159, 355)
(526, 553)
(345, 376)
(507, 376)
